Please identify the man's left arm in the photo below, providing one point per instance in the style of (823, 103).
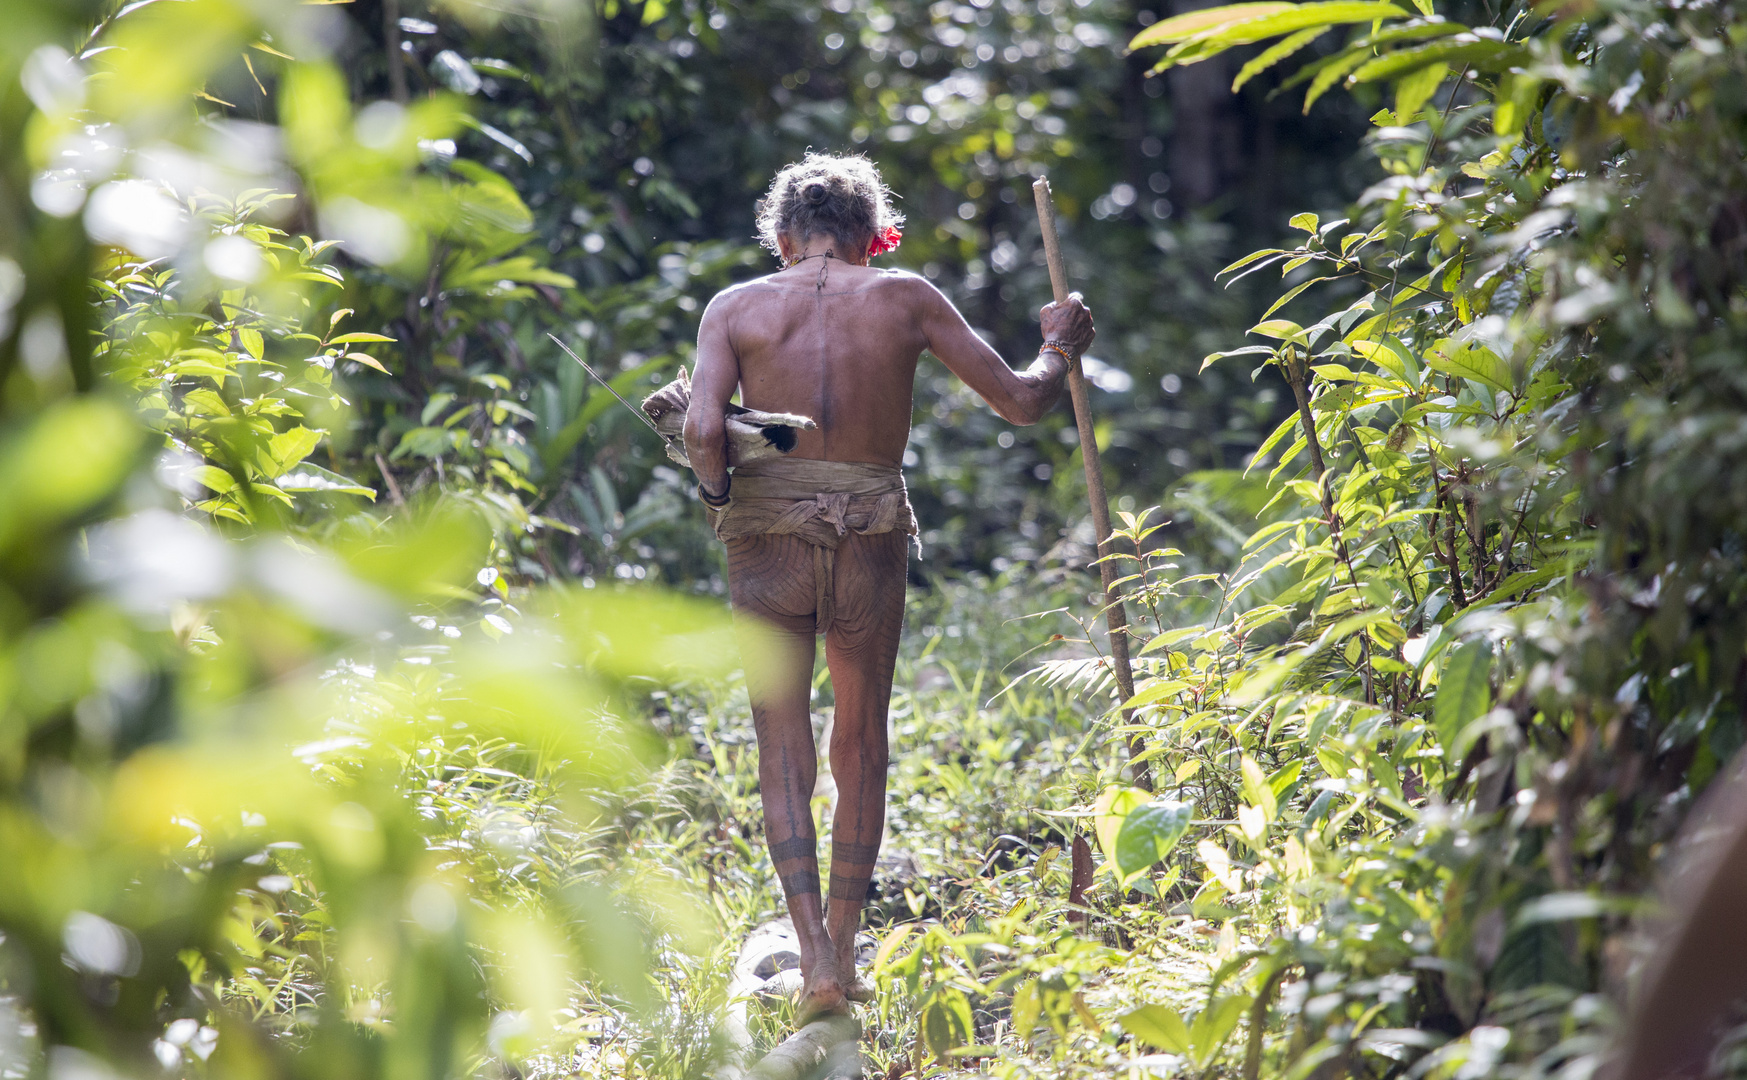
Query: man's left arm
(715, 377)
(1020, 397)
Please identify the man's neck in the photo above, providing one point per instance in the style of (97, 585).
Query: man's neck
(826, 250)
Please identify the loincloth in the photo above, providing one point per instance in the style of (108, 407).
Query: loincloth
(820, 502)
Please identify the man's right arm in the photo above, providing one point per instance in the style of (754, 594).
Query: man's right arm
(715, 377)
(1017, 397)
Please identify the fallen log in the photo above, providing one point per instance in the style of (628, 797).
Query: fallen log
(768, 969)
(829, 1048)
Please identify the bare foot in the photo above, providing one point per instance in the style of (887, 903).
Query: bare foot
(855, 988)
(822, 993)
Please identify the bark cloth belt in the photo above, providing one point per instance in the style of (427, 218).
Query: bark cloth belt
(820, 502)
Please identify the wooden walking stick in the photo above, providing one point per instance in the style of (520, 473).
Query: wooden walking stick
(1115, 612)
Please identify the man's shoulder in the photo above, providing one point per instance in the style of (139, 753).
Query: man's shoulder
(744, 288)
(737, 294)
(913, 288)
(905, 279)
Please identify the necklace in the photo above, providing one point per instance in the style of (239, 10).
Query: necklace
(818, 286)
(799, 259)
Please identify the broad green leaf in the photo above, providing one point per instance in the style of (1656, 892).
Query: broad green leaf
(347, 339)
(1414, 90)
(1148, 834)
(1172, 637)
(1381, 355)
(1027, 1007)
(1516, 102)
(1283, 329)
(1282, 780)
(1158, 1026)
(1154, 691)
(1306, 222)
(204, 402)
(367, 361)
(214, 477)
(1334, 372)
(1475, 362)
(208, 362)
(1256, 787)
(1213, 1025)
(1218, 38)
(290, 447)
(946, 1021)
(307, 476)
(1464, 691)
(1111, 807)
(1483, 54)
(1191, 23)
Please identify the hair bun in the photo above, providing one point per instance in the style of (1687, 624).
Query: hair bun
(815, 193)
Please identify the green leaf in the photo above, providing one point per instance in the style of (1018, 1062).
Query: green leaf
(1027, 1007)
(1283, 329)
(1256, 787)
(313, 478)
(1275, 53)
(347, 339)
(946, 1021)
(1331, 72)
(1216, 39)
(1482, 54)
(1213, 1026)
(1383, 356)
(1250, 258)
(204, 402)
(1172, 637)
(1112, 806)
(1413, 91)
(207, 362)
(1474, 362)
(1158, 1026)
(1154, 691)
(1293, 292)
(214, 477)
(1148, 834)
(368, 361)
(1307, 222)
(1464, 691)
(290, 447)
(1187, 25)
(1248, 350)
(1289, 424)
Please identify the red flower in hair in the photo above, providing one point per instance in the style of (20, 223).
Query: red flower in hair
(885, 241)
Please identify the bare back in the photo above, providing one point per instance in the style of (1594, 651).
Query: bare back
(839, 342)
(835, 342)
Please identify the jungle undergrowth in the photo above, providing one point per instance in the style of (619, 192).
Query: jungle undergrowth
(979, 816)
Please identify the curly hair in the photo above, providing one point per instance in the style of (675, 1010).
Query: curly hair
(841, 195)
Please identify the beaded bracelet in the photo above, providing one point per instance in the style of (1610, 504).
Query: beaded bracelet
(1059, 349)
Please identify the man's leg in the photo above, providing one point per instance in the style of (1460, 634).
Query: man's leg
(771, 578)
(861, 647)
